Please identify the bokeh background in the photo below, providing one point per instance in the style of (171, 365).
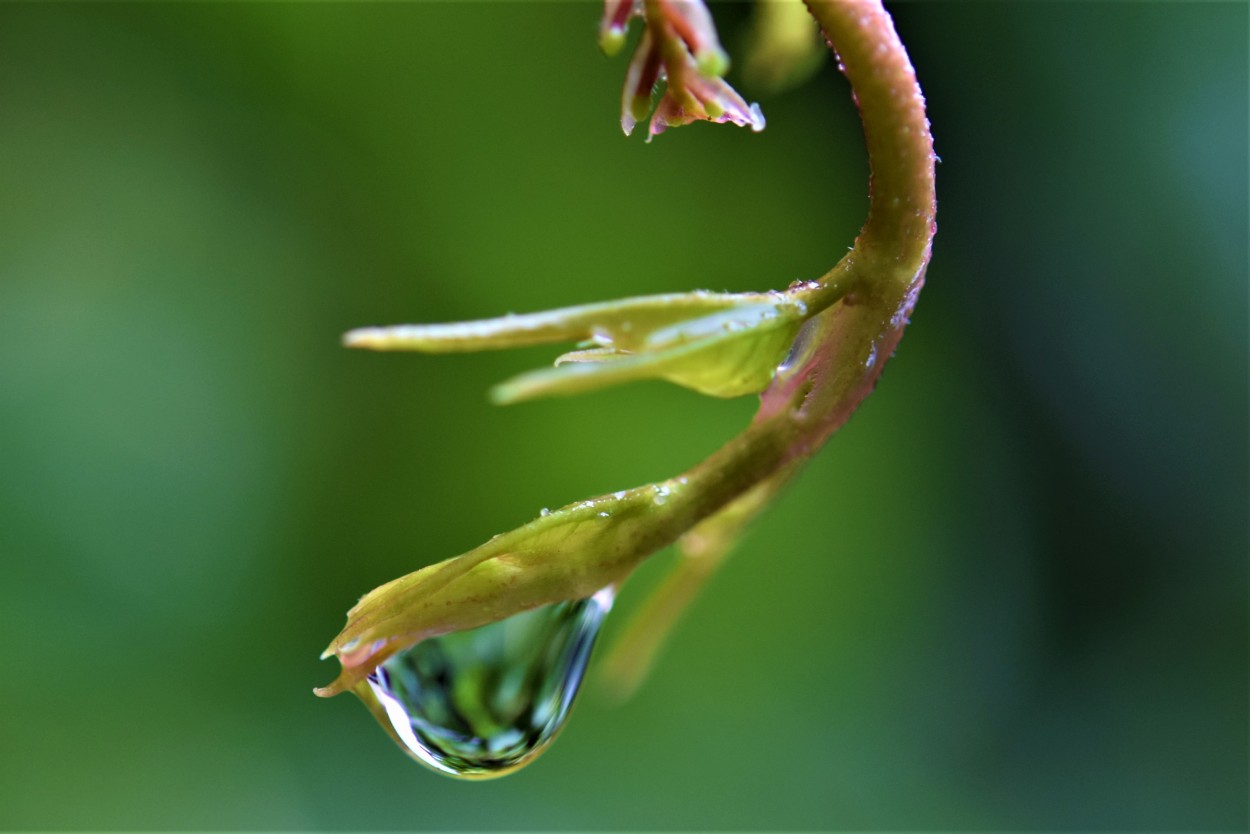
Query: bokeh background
(1011, 593)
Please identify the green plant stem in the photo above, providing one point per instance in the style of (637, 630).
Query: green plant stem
(900, 147)
(840, 354)
(700, 553)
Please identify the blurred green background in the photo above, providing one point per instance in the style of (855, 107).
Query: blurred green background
(1010, 594)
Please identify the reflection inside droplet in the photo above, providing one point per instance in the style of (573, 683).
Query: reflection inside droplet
(483, 702)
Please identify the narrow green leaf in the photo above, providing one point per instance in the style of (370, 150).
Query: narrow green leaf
(570, 553)
(726, 354)
(625, 323)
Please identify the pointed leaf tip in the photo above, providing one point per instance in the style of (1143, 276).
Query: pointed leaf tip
(571, 553)
(363, 337)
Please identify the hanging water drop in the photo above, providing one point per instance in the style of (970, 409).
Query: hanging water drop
(481, 703)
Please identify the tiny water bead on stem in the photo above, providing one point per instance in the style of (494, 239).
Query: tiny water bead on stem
(472, 664)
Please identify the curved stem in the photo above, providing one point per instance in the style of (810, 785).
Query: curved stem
(840, 354)
(900, 147)
(902, 205)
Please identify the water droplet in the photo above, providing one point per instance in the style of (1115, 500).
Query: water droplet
(544, 512)
(483, 702)
(872, 358)
(603, 514)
